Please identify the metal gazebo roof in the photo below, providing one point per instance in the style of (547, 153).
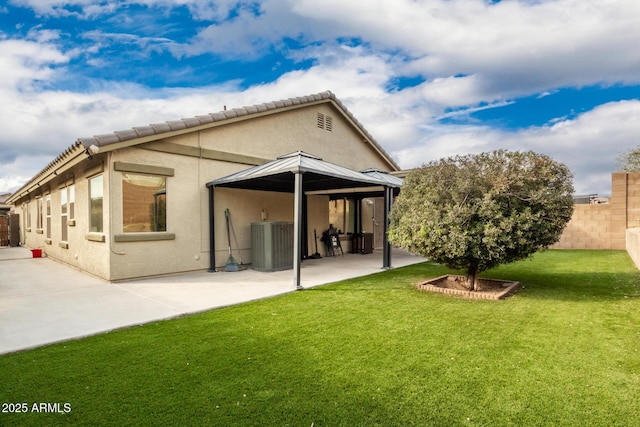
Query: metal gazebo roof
(390, 180)
(300, 172)
(319, 175)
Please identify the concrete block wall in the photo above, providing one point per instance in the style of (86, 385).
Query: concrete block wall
(633, 200)
(589, 228)
(605, 226)
(633, 245)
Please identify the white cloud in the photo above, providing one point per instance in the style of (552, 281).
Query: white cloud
(402, 121)
(25, 62)
(472, 54)
(207, 10)
(587, 144)
(512, 48)
(467, 50)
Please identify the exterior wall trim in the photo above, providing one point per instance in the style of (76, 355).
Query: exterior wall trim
(143, 237)
(183, 150)
(144, 169)
(95, 237)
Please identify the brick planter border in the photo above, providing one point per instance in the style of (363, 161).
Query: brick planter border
(430, 287)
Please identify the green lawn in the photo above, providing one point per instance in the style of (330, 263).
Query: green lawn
(373, 351)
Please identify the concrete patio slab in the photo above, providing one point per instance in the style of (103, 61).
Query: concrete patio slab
(43, 301)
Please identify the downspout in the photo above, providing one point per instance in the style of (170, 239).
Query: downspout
(212, 233)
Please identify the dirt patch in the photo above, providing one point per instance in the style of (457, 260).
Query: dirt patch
(493, 289)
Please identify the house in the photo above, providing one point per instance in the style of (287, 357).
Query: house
(152, 200)
(4, 207)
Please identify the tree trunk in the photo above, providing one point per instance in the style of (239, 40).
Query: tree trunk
(471, 280)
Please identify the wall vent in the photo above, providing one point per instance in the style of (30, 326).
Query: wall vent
(325, 122)
(328, 123)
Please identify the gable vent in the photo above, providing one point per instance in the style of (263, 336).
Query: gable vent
(325, 122)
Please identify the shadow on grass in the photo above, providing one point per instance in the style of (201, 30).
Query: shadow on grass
(577, 286)
(576, 275)
(554, 274)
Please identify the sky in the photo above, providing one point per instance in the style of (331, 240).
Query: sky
(427, 78)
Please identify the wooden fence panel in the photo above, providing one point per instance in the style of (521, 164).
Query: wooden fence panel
(14, 230)
(4, 231)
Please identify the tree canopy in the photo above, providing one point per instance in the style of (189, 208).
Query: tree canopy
(475, 212)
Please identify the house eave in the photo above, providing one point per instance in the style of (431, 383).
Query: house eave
(71, 157)
(82, 148)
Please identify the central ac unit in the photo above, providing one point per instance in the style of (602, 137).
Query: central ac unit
(271, 245)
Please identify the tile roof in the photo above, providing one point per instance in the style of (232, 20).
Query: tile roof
(221, 116)
(82, 144)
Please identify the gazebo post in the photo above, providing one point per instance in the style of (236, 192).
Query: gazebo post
(386, 246)
(297, 228)
(212, 233)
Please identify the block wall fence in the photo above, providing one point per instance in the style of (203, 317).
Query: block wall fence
(615, 225)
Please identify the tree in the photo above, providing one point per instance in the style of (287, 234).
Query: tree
(475, 212)
(629, 161)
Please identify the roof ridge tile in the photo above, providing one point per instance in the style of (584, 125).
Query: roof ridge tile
(177, 124)
(124, 135)
(144, 131)
(161, 127)
(107, 138)
(191, 122)
(206, 119)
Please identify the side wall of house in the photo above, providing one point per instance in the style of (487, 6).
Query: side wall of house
(185, 244)
(81, 248)
(295, 130)
(604, 226)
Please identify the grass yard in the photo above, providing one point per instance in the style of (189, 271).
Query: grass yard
(373, 351)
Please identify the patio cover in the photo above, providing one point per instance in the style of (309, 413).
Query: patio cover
(298, 173)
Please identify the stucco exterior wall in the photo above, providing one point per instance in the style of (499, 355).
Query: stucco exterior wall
(317, 219)
(188, 162)
(78, 251)
(294, 130)
(187, 245)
